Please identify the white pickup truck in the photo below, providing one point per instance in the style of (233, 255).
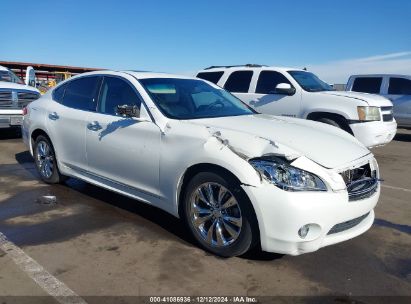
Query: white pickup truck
(298, 93)
(14, 96)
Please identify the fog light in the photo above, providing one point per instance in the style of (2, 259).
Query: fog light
(302, 232)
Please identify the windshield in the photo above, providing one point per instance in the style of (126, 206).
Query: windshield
(191, 99)
(9, 76)
(310, 82)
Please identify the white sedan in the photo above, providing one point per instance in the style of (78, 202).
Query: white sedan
(237, 178)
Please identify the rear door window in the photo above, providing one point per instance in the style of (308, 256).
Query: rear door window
(367, 84)
(399, 86)
(268, 80)
(213, 77)
(239, 81)
(82, 93)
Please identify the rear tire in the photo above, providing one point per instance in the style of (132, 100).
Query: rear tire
(46, 162)
(219, 215)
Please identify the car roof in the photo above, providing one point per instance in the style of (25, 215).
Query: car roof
(144, 75)
(381, 75)
(137, 74)
(250, 67)
(2, 68)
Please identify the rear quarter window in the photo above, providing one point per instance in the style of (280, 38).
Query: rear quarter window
(58, 93)
(367, 84)
(213, 77)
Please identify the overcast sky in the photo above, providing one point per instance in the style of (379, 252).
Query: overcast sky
(333, 38)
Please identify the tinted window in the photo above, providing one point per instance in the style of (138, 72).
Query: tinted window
(268, 80)
(211, 76)
(9, 76)
(239, 82)
(116, 92)
(58, 93)
(399, 86)
(367, 85)
(82, 93)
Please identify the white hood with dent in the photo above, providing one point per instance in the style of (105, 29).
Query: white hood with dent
(323, 144)
(371, 99)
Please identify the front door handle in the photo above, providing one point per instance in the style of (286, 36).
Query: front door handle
(94, 126)
(53, 116)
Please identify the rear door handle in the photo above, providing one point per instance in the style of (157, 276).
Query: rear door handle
(53, 116)
(94, 126)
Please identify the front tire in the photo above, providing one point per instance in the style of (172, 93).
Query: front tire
(46, 162)
(219, 215)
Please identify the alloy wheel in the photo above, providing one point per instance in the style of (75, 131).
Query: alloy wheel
(45, 159)
(215, 214)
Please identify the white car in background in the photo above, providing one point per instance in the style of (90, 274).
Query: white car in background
(301, 94)
(396, 88)
(14, 96)
(237, 178)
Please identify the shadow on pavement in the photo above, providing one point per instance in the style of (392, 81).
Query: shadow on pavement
(11, 133)
(402, 136)
(24, 157)
(156, 216)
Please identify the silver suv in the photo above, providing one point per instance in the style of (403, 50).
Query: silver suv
(396, 88)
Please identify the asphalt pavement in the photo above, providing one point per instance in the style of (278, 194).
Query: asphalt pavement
(97, 243)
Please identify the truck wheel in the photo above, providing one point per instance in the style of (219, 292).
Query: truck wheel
(219, 215)
(46, 162)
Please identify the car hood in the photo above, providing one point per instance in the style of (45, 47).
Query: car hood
(371, 99)
(17, 86)
(257, 135)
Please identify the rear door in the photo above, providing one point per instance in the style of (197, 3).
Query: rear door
(66, 119)
(123, 151)
(399, 92)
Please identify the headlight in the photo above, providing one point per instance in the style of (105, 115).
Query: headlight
(288, 177)
(368, 113)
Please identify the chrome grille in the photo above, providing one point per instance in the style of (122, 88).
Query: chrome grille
(361, 182)
(347, 225)
(387, 117)
(5, 98)
(24, 98)
(27, 96)
(16, 99)
(387, 113)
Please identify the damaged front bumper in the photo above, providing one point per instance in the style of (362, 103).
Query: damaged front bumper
(329, 216)
(281, 215)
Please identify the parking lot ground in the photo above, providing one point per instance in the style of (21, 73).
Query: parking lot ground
(98, 243)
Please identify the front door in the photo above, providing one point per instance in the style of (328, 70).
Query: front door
(266, 100)
(123, 151)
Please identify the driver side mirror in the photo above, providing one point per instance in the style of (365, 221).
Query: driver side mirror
(128, 111)
(284, 89)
